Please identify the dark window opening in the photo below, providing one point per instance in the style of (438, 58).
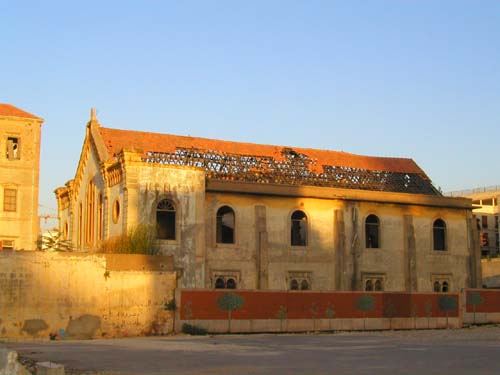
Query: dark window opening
(225, 225)
(484, 239)
(231, 284)
(496, 221)
(12, 148)
(484, 221)
(304, 285)
(165, 220)
(372, 232)
(378, 286)
(220, 284)
(299, 229)
(487, 202)
(10, 200)
(439, 234)
(444, 287)
(294, 285)
(437, 286)
(368, 286)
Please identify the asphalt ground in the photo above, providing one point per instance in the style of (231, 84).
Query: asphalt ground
(440, 352)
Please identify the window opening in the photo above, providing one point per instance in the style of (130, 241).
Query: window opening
(165, 220)
(12, 148)
(299, 229)
(294, 285)
(225, 225)
(437, 286)
(372, 232)
(378, 286)
(10, 200)
(368, 286)
(445, 287)
(231, 284)
(219, 283)
(304, 285)
(484, 221)
(439, 234)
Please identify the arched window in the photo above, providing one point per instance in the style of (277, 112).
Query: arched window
(368, 285)
(225, 225)
(165, 220)
(439, 235)
(372, 232)
(299, 229)
(437, 286)
(304, 285)
(294, 285)
(378, 286)
(219, 283)
(445, 288)
(231, 284)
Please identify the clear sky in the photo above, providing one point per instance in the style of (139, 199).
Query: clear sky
(418, 79)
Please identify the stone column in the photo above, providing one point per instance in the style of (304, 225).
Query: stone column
(262, 259)
(339, 248)
(410, 255)
(474, 263)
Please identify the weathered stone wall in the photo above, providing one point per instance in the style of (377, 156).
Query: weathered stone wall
(491, 272)
(80, 296)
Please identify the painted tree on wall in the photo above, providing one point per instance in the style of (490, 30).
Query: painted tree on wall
(474, 299)
(229, 302)
(330, 314)
(390, 312)
(314, 314)
(365, 303)
(428, 312)
(447, 304)
(282, 315)
(414, 314)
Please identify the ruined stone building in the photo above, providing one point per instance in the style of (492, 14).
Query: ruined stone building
(19, 174)
(239, 215)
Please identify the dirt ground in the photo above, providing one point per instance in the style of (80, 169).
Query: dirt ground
(464, 351)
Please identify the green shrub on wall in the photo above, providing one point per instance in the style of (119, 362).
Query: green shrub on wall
(140, 240)
(365, 303)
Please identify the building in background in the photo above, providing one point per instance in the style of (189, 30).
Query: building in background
(19, 174)
(485, 201)
(239, 215)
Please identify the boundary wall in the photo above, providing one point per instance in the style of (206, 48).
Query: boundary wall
(77, 295)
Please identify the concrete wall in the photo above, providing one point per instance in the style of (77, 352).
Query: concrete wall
(84, 296)
(491, 272)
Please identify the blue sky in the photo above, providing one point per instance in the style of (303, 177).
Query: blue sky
(418, 79)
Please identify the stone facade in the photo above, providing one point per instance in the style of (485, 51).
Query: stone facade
(320, 220)
(19, 175)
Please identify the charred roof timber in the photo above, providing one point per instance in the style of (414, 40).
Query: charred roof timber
(295, 169)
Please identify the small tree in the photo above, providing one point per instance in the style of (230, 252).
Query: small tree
(446, 304)
(414, 314)
(390, 312)
(474, 299)
(329, 314)
(314, 313)
(282, 315)
(428, 312)
(365, 303)
(229, 302)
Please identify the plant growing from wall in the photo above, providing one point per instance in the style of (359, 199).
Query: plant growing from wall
(329, 314)
(139, 240)
(474, 299)
(390, 312)
(229, 302)
(447, 304)
(282, 315)
(172, 307)
(428, 312)
(365, 303)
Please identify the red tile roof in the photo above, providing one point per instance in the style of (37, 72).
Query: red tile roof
(115, 140)
(11, 111)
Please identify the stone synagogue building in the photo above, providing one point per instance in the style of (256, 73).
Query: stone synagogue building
(247, 216)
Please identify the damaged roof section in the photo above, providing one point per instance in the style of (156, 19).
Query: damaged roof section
(267, 164)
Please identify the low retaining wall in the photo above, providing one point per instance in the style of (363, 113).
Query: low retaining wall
(84, 296)
(483, 306)
(293, 311)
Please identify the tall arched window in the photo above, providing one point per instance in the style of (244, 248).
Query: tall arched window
(165, 220)
(439, 235)
(225, 225)
(299, 229)
(372, 228)
(368, 285)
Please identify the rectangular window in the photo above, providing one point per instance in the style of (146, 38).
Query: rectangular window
(12, 148)
(487, 202)
(6, 245)
(484, 221)
(10, 200)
